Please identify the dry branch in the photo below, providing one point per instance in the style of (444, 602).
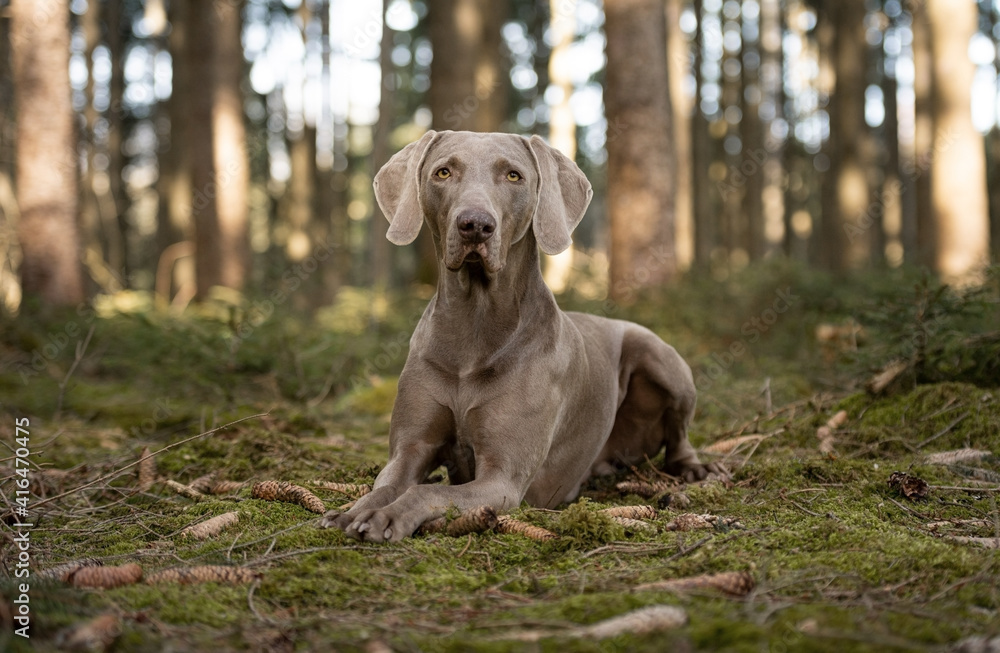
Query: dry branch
(507, 524)
(115, 474)
(204, 574)
(106, 577)
(211, 527)
(184, 490)
(734, 583)
(289, 493)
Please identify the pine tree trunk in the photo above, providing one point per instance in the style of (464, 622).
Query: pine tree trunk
(232, 165)
(118, 201)
(468, 86)
(679, 67)
(641, 164)
(958, 180)
(197, 59)
(923, 136)
(381, 254)
(845, 235)
(46, 164)
(753, 156)
(704, 216)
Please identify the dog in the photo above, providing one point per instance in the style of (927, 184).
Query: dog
(519, 400)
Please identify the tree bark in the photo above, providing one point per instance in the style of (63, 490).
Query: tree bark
(844, 232)
(46, 164)
(468, 86)
(381, 254)
(679, 67)
(232, 165)
(704, 216)
(641, 166)
(958, 180)
(923, 136)
(197, 60)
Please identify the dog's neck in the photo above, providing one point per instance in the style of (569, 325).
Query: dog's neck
(493, 309)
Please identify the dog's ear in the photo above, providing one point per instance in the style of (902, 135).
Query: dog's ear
(397, 190)
(563, 195)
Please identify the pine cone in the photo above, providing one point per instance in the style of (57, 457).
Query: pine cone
(204, 574)
(289, 493)
(506, 524)
(211, 527)
(64, 571)
(631, 512)
(106, 577)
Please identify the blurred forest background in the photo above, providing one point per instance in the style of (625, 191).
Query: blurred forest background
(185, 148)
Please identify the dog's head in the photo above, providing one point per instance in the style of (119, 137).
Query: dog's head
(480, 194)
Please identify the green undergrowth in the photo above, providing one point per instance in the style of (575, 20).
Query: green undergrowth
(841, 560)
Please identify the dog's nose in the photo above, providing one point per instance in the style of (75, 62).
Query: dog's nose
(476, 226)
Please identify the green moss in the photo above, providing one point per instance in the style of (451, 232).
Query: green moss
(842, 562)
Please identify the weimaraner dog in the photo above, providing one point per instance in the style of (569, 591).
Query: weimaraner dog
(517, 399)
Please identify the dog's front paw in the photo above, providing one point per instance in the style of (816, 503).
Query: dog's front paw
(694, 471)
(368, 525)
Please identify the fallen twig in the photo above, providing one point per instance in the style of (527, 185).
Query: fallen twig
(943, 431)
(119, 472)
(81, 349)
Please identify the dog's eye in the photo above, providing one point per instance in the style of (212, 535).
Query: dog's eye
(513, 175)
(443, 173)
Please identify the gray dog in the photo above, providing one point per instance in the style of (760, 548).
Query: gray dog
(517, 399)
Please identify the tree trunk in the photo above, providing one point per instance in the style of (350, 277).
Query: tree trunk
(562, 124)
(704, 216)
(958, 180)
(381, 254)
(232, 165)
(845, 233)
(923, 136)
(679, 67)
(753, 157)
(641, 162)
(468, 86)
(46, 164)
(197, 60)
(118, 201)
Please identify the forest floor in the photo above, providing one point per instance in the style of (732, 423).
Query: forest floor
(840, 559)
